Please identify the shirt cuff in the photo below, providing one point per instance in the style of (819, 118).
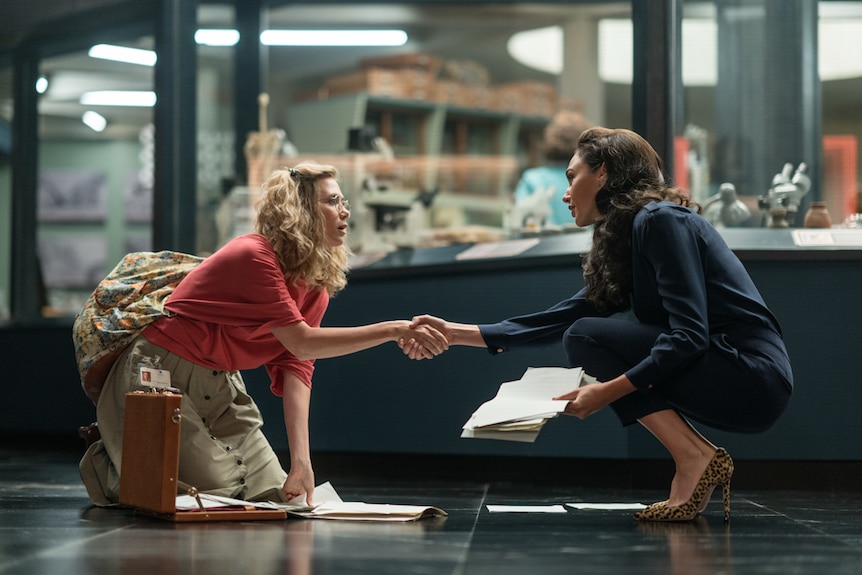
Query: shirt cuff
(643, 375)
(494, 338)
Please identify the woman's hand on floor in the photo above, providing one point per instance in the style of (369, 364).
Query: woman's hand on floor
(300, 480)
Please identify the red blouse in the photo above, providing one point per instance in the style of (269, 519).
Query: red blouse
(224, 310)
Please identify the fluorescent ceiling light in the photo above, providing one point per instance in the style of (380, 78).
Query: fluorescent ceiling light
(333, 37)
(839, 42)
(541, 49)
(615, 50)
(122, 54)
(212, 37)
(699, 52)
(119, 98)
(94, 121)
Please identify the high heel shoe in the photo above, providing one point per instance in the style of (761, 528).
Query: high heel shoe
(718, 472)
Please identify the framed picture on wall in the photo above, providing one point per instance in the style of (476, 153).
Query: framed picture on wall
(73, 261)
(139, 243)
(138, 199)
(70, 195)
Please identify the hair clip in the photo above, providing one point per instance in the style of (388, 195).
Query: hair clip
(293, 173)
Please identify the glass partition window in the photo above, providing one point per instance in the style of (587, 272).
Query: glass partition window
(431, 137)
(771, 116)
(219, 217)
(95, 178)
(6, 107)
(839, 46)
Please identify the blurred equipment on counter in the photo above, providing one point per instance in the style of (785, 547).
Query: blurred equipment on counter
(386, 219)
(817, 216)
(261, 148)
(533, 212)
(786, 192)
(361, 139)
(236, 212)
(697, 162)
(725, 209)
(852, 222)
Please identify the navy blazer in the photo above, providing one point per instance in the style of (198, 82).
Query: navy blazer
(686, 281)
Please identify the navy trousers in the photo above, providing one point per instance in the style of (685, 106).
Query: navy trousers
(727, 389)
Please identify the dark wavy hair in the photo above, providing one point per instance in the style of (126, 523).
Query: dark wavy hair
(635, 178)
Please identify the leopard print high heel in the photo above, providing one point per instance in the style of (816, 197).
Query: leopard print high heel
(718, 472)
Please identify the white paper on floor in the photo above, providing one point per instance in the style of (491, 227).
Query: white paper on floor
(526, 508)
(611, 506)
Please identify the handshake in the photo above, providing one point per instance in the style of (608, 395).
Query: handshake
(426, 337)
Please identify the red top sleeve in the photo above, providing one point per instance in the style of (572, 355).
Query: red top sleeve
(223, 312)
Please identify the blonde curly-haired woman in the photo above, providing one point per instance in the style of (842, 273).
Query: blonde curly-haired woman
(258, 301)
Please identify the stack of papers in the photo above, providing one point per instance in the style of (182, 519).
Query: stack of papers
(328, 505)
(521, 408)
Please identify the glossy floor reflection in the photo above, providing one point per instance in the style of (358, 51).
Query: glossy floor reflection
(47, 527)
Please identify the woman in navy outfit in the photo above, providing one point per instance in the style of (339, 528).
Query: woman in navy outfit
(702, 346)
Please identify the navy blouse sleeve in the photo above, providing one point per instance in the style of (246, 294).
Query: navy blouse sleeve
(537, 329)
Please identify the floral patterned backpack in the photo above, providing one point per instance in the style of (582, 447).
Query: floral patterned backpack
(130, 298)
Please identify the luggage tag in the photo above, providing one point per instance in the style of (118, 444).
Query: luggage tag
(157, 378)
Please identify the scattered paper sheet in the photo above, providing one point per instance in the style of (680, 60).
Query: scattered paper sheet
(357, 261)
(323, 493)
(502, 249)
(189, 503)
(526, 508)
(834, 237)
(521, 408)
(606, 506)
(357, 511)
(327, 505)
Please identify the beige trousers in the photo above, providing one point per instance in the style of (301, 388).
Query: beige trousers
(222, 448)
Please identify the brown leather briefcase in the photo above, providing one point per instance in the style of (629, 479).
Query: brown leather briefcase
(149, 480)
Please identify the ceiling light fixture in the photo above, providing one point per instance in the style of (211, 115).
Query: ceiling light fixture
(333, 37)
(41, 85)
(213, 37)
(94, 121)
(541, 48)
(123, 54)
(134, 99)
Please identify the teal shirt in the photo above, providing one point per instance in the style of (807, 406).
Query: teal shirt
(544, 177)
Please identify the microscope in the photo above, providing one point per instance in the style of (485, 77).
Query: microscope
(389, 219)
(531, 214)
(725, 209)
(781, 203)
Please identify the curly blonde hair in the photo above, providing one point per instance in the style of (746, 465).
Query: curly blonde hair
(289, 216)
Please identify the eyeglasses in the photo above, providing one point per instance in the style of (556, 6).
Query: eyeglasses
(338, 202)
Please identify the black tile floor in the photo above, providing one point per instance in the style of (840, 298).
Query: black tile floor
(48, 527)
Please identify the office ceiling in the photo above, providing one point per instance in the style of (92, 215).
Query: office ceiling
(473, 31)
(476, 32)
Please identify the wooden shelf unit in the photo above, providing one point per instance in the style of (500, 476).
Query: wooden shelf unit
(474, 156)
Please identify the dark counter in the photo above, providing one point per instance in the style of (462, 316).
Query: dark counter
(378, 401)
(747, 243)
